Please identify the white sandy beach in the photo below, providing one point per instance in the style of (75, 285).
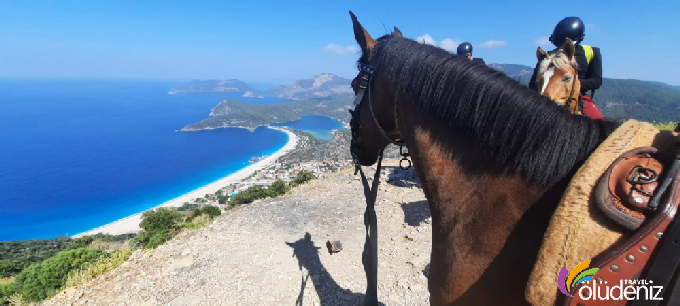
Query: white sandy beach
(131, 223)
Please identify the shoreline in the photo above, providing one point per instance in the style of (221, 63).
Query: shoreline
(130, 224)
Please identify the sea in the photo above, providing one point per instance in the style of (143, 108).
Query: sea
(76, 154)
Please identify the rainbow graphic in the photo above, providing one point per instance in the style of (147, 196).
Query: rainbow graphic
(579, 274)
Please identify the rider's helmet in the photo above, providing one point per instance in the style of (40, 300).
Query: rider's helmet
(464, 49)
(571, 27)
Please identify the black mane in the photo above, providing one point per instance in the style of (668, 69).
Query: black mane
(526, 133)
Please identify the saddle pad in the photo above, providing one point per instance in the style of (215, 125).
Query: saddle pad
(578, 230)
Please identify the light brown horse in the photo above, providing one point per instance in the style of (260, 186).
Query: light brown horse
(493, 158)
(557, 76)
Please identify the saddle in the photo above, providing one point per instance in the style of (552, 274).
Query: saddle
(622, 217)
(641, 192)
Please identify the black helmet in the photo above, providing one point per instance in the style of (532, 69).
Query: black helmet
(464, 49)
(571, 27)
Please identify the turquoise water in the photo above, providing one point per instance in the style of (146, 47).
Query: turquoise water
(78, 154)
(319, 126)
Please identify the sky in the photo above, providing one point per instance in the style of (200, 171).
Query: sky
(278, 42)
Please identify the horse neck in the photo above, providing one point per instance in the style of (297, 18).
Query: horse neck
(454, 171)
(480, 214)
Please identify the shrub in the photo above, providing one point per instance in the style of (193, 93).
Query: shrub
(158, 238)
(104, 264)
(278, 188)
(44, 279)
(211, 211)
(161, 219)
(302, 177)
(193, 225)
(248, 196)
(7, 290)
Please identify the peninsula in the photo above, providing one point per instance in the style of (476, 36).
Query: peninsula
(236, 113)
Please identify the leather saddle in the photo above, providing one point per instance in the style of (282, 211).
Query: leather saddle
(641, 192)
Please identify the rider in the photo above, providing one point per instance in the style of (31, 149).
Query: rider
(588, 58)
(465, 49)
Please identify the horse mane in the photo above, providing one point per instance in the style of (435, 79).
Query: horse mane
(526, 133)
(559, 60)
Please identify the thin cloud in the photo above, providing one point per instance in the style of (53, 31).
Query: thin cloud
(446, 44)
(493, 44)
(337, 49)
(543, 41)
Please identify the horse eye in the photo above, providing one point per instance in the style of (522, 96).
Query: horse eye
(566, 78)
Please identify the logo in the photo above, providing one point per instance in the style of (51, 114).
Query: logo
(631, 290)
(578, 275)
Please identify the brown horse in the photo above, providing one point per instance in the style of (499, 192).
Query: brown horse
(557, 76)
(493, 158)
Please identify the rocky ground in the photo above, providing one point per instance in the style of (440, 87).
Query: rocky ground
(273, 252)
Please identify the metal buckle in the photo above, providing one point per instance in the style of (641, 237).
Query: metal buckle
(641, 176)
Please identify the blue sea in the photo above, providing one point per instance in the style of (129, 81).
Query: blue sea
(78, 154)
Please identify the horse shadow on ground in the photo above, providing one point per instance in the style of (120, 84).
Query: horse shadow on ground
(417, 212)
(328, 290)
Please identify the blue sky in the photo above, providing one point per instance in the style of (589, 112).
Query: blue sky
(279, 42)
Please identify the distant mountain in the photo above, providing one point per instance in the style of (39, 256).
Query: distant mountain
(236, 113)
(322, 85)
(621, 99)
(217, 86)
(662, 84)
(520, 73)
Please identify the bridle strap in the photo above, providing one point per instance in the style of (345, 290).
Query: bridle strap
(571, 95)
(369, 257)
(398, 142)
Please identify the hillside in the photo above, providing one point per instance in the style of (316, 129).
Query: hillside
(217, 86)
(230, 113)
(322, 85)
(621, 99)
(273, 252)
(336, 149)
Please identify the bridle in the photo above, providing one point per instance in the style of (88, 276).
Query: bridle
(571, 94)
(367, 72)
(369, 257)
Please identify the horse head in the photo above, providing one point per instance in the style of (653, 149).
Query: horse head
(558, 76)
(373, 122)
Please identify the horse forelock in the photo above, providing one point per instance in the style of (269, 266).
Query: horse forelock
(559, 60)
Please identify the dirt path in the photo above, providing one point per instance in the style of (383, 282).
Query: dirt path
(273, 252)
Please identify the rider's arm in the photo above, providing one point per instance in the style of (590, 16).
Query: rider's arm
(593, 78)
(532, 82)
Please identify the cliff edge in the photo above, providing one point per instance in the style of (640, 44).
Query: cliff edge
(273, 252)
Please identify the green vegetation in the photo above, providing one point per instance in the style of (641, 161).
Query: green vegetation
(248, 196)
(633, 99)
(44, 279)
(302, 177)
(210, 211)
(670, 126)
(15, 256)
(620, 99)
(158, 226)
(102, 265)
(187, 207)
(276, 189)
(239, 113)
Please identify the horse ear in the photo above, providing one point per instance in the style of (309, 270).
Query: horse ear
(362, 37)
(397, 33)
(541, 54)
(569, 49)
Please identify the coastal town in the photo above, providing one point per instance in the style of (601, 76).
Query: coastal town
(285, 172)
